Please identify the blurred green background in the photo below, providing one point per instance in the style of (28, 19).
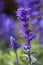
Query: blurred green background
(8, 57)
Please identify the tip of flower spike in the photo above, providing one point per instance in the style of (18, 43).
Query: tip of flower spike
(23, 13)
(11, 39)
(14, 44)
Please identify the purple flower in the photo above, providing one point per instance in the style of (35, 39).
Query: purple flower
(30, 36)
(34, 4)
(26, 12)
(14, 44)
(7, 26)
(36, 13)
(23, 13)
(25, 46)
(35, 21)
(31, 9)
(41, 24)
(21, 2)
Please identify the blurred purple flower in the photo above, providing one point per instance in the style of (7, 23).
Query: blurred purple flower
(14, 44)
(7, 26)
(10, 27)
(36, 13)
(2, 20)
(21, 2)
(41, 24)
(34, 4)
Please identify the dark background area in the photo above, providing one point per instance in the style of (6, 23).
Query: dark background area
(10, 7)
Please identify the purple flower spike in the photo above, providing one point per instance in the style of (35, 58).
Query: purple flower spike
(14, 44)
(23, 13)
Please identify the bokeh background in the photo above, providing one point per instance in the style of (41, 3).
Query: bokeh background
(7, 55)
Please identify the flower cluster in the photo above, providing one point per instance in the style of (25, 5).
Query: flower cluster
(36, 6)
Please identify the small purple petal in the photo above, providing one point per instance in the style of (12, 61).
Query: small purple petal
(36, 13)
(34, 52)
(35, 62)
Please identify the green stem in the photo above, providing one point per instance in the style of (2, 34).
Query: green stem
(29, 55)
(16, 58)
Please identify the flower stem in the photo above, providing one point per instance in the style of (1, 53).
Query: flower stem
(29, 55)
(16, 58)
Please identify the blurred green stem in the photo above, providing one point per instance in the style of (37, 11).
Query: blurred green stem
(16, 58)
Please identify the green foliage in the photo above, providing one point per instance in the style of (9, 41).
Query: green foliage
(9, 58)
